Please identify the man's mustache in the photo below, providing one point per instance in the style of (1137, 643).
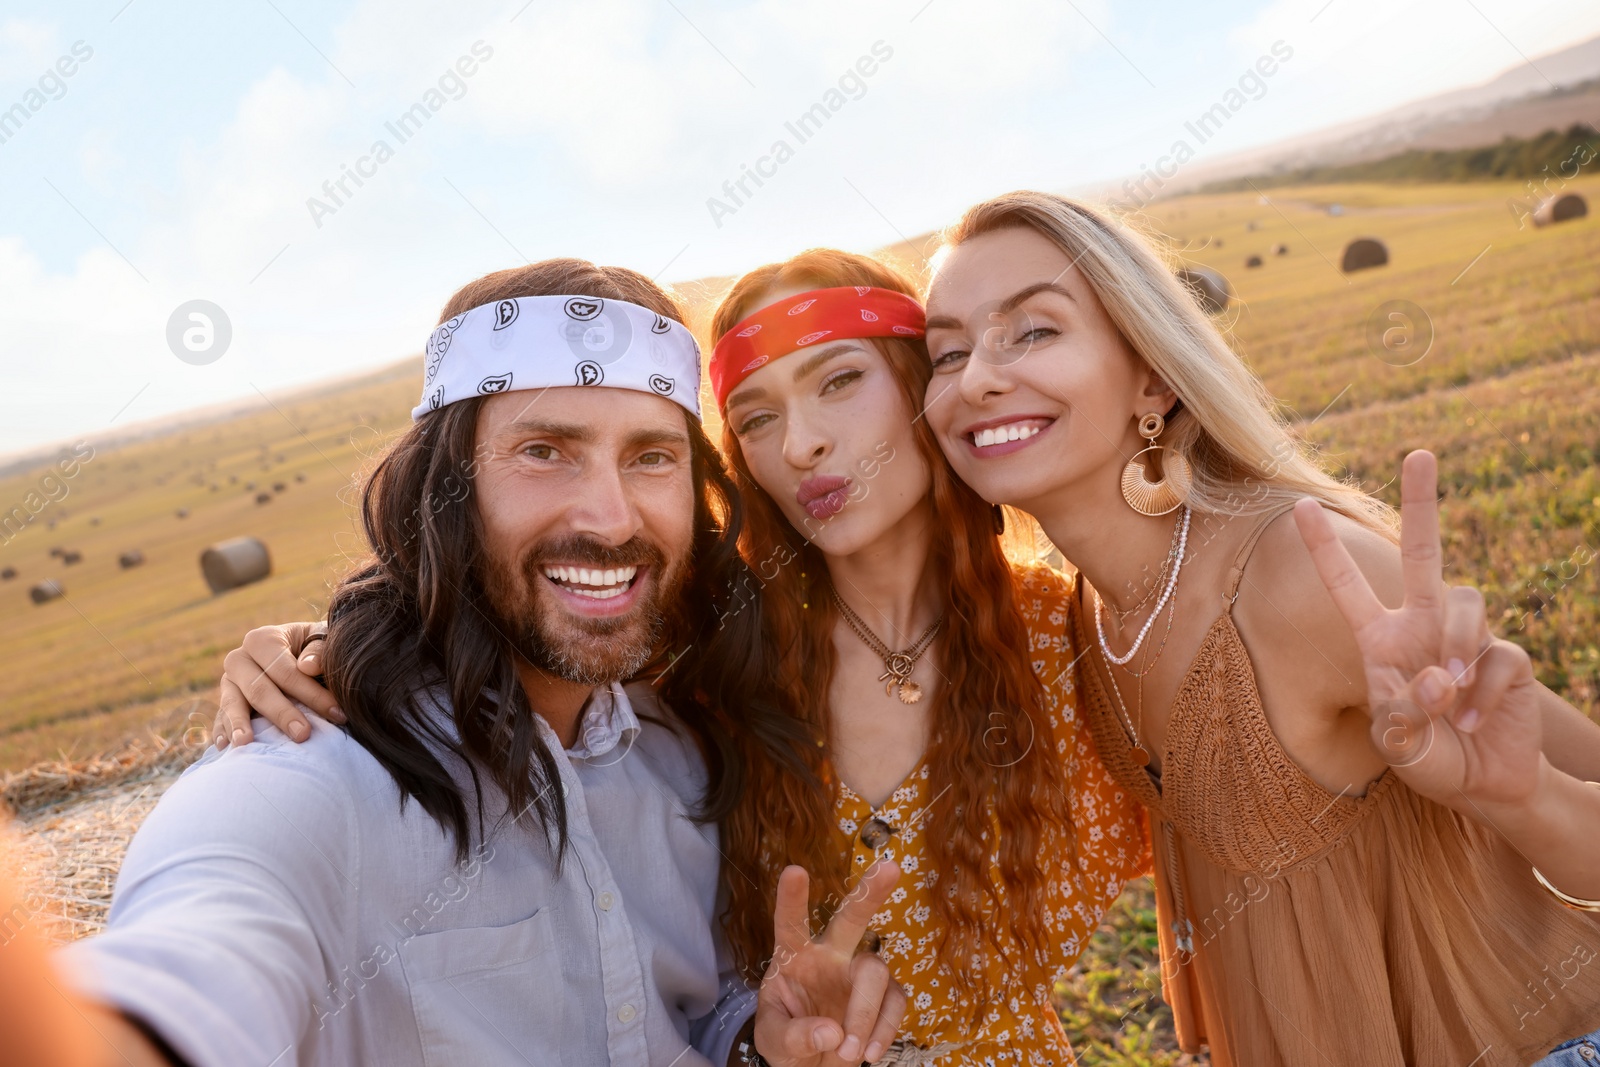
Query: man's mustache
(634, 552)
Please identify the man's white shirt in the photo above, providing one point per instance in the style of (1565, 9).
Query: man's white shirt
(279, 907)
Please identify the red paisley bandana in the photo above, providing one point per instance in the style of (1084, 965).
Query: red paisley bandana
(807, 319)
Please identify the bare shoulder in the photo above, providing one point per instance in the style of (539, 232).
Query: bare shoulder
(1287, 616)
(1281, 565)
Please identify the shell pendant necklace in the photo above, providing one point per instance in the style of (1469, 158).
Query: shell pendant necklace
(897, 665)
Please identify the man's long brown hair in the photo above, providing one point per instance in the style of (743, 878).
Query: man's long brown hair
(992, 815)
(415, 616)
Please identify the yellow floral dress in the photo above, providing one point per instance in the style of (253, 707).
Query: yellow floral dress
(1020, 1025)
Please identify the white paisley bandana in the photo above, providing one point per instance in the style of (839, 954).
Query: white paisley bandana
(537, 342)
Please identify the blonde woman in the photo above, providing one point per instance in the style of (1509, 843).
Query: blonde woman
(1350, 783)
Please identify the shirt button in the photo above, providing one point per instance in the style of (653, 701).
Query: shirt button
(606, 900)
(626, 1013)
(876, 834)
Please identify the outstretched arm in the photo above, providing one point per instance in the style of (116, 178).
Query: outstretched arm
(1455, 711)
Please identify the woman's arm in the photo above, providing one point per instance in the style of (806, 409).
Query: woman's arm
(272, 668)
(1571, 738)
(1455, 712)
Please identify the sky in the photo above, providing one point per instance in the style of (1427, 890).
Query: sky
(327, 172)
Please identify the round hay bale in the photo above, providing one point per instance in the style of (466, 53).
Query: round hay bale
(131, 558)
(263, 498)
(94, 520)
(55, 552)
(1362, 253)
(232, 563)
(71, 556)
(1559, 209)
(300, 477)
(7, 573)
(278, 487)
(249, 487)
(1252, 262)
(46, 591)
(1209, 287)
(183, 513)
(1280, 249)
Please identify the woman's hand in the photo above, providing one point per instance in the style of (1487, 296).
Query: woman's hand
(274, 666)
(822, 1003)
(1455, 711)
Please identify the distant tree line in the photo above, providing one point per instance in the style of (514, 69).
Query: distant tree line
(1514, 157)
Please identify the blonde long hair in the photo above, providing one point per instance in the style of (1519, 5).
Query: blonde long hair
(1245, 459)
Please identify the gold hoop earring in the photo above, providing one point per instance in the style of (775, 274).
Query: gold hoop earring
(1168, 494)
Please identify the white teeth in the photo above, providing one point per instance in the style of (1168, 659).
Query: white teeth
(999, 435)
(600, 594)
(603, 584)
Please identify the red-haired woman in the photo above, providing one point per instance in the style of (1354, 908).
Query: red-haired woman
(921, 702)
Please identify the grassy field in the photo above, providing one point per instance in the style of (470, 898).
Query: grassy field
(1501, 376)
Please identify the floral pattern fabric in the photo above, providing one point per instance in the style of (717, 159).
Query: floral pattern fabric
(1019, 1025)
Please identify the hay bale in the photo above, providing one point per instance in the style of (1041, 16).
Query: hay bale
(46, 591)
(130, 559)
(183, 513)
(232, 563)
(1560, 208)
(71, 556)
(1280, 249)
(94, 520)
(263, 498)
(278, 487)
(1252, 262)
(300, 477)
(1362, 253)
(7, 573)
(1210, 288)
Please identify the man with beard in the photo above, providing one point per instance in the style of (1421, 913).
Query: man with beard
(506, 857)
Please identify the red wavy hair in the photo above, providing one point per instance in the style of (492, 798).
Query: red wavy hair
(993, 814)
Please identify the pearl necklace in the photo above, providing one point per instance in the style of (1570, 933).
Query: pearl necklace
(1166, 594)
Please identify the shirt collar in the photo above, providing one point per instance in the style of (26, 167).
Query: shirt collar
(608, 720)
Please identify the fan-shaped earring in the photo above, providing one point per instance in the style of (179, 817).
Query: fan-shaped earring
(1168, 494)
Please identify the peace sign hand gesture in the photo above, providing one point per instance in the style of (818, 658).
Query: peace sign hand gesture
(822, 1003)
(1454, 710)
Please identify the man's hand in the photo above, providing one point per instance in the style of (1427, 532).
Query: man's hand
(823, 1004)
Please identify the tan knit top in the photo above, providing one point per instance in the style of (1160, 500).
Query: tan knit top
(1377, 930)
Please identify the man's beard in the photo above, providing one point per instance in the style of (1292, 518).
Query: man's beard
(588, 651)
